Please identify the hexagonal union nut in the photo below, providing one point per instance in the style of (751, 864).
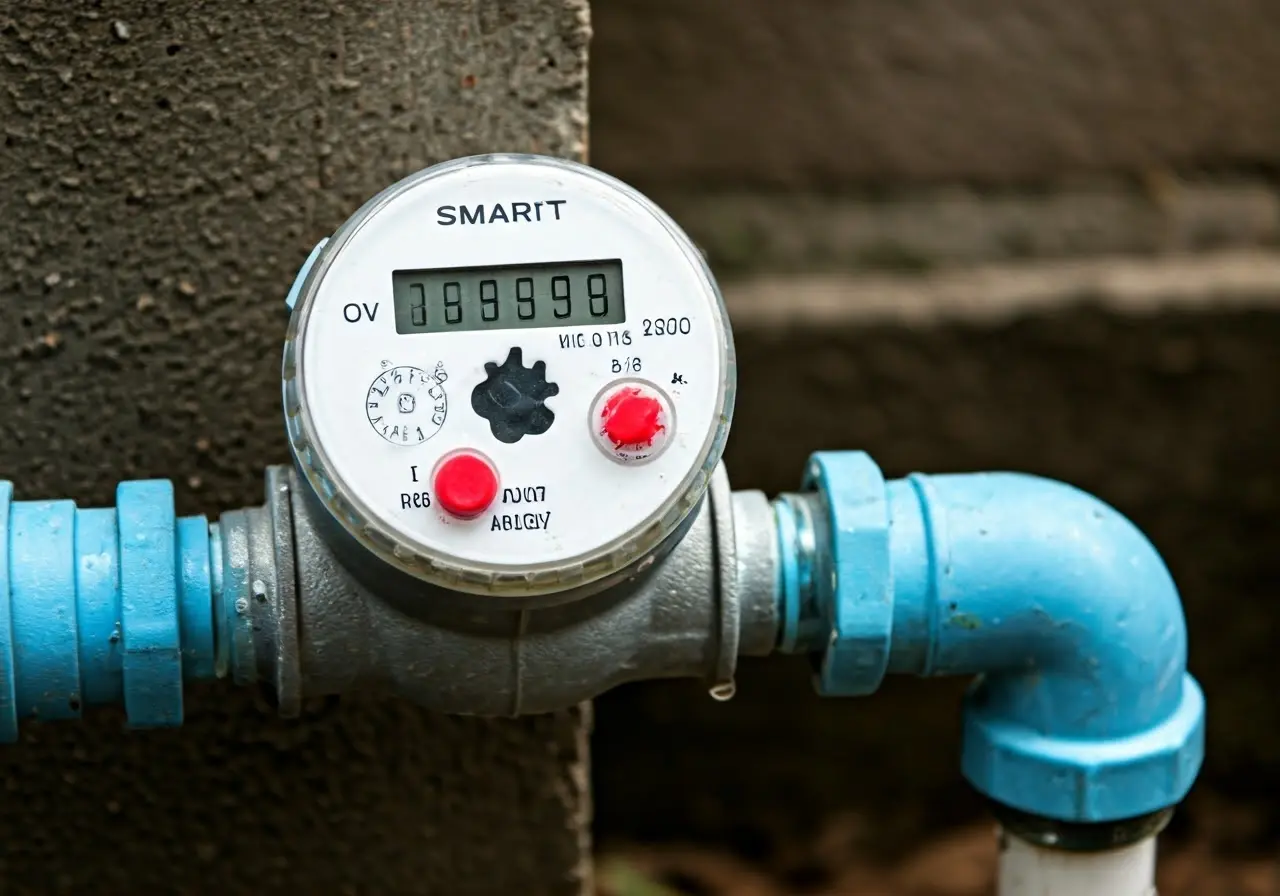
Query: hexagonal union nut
(1088, 781)
(856, 578)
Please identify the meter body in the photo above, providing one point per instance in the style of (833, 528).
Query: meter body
(508, 376)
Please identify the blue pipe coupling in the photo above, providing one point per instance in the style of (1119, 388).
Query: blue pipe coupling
(1082, 709)
(102, 606)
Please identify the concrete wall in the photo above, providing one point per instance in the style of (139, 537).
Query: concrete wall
(166, 168)
(813, 92)
(1001, 234)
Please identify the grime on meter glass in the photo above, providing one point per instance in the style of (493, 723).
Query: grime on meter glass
(509, 375)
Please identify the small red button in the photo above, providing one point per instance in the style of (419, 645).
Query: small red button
(466, 485)
(632, 418)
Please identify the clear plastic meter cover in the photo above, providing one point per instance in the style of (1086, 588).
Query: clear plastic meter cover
(509, 375)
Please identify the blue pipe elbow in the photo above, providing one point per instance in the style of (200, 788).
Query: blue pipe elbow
(1082, 710)
(102, 606)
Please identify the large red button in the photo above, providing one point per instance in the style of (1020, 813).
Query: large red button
(632, 421)
(466, 485)
(632, 417)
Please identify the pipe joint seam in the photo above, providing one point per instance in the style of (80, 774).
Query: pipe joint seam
(852, 579)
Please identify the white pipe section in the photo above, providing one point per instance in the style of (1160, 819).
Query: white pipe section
(1030, 870)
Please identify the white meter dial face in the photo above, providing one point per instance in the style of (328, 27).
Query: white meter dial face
(509, 375)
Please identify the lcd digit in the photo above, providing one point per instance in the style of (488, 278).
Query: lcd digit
(558, 294)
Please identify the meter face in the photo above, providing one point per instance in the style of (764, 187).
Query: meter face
(509, 374)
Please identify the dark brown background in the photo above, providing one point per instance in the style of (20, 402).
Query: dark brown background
(932, 135)
(831, 93)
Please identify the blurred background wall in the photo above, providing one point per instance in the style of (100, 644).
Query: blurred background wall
(1002, 234)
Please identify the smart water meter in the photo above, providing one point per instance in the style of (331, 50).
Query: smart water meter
(508, 375)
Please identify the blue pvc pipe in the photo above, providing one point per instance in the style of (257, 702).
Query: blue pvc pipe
(42, 603)
(1004, 574)
(102, 606)
(1084, 710)
(98, 605)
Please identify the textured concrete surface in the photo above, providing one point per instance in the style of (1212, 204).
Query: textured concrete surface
(1000, 293)
(921, 230)
(165, 171)
(742, 93)
(1172, 417)
(358, 797)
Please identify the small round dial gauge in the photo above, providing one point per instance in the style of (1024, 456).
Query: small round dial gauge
(543, 287)
(406, 405)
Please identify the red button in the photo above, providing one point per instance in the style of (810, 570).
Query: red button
(632, 418)
(466, 485)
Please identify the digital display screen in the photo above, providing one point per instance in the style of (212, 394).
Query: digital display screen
(524, 296)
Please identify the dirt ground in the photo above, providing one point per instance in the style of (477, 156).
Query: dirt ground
(1214, 848)
(961, 862)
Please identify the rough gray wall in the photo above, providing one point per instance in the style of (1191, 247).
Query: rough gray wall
(940, 226)
(813, 92)
(166, 168)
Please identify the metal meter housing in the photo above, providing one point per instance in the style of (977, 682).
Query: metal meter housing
(509, 375)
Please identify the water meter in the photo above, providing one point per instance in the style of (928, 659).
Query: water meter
(507, 386)
(509, 376)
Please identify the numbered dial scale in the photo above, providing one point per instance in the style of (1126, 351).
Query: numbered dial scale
(509, 375)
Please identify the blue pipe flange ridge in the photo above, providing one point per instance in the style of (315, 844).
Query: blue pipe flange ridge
(98, 606)
(195, 583)
(42, 601)
(855, 584)
(149, 604)
(8, 677)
